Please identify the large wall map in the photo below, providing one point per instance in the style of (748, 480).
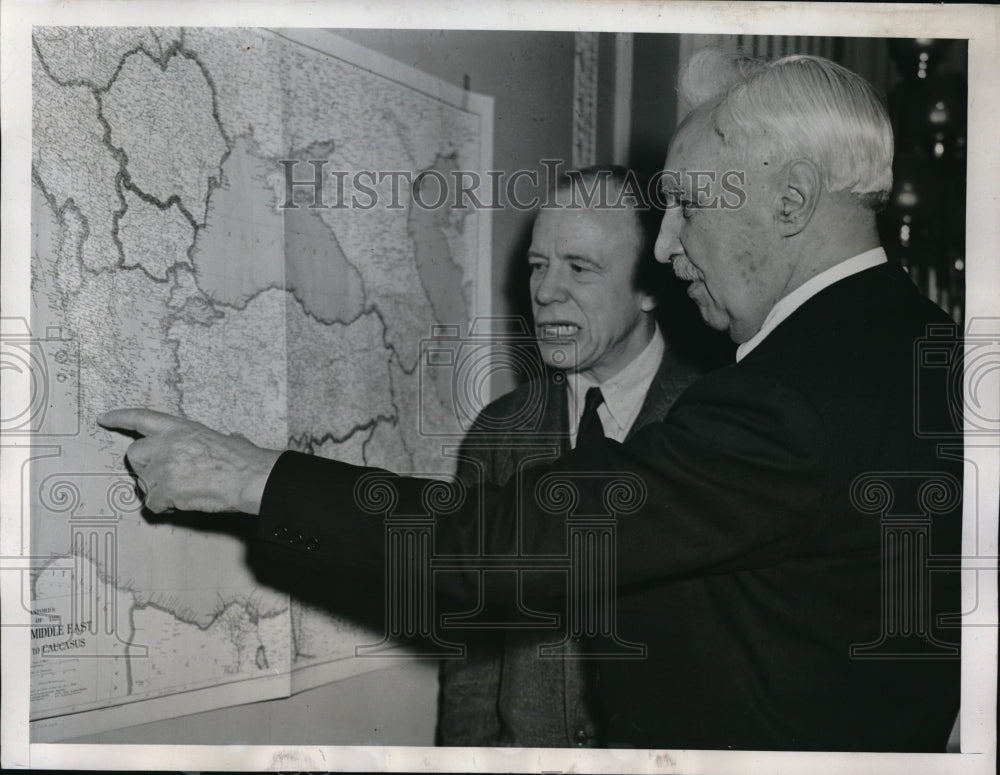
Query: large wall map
(167, 273)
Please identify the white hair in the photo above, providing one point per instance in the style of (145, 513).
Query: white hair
(799, 107)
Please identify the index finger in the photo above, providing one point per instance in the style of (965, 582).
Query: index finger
(145, 421)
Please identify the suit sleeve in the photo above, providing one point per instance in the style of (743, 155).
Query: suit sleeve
(732, 478)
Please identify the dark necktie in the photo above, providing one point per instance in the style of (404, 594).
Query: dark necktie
(590, 429)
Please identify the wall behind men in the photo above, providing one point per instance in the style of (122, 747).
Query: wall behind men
(656, 58)
(530, 77)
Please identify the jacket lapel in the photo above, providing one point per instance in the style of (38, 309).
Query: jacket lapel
(671, 379)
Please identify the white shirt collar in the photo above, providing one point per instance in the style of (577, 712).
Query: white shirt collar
(623, 394)
(788, 304)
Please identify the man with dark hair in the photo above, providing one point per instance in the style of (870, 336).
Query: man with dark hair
(594, 289)
(775, 563)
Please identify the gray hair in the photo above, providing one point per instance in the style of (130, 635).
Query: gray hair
(799, 107)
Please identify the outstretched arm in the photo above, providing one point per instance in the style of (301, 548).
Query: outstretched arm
(733, 477)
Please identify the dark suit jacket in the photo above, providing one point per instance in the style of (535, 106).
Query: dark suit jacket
(755, 563)
(501, 693)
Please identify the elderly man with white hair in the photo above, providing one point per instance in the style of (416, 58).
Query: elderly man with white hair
(776, 571)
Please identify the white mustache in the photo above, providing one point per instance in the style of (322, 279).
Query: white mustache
(684, 269)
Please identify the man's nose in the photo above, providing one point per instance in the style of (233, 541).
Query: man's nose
(668, 241)
(552, 286)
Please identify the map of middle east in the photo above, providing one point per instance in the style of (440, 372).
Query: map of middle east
(181, 260)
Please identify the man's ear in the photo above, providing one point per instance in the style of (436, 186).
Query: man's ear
(799, 188)
(647, 302)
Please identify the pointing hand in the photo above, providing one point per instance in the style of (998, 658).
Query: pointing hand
(186, 466)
